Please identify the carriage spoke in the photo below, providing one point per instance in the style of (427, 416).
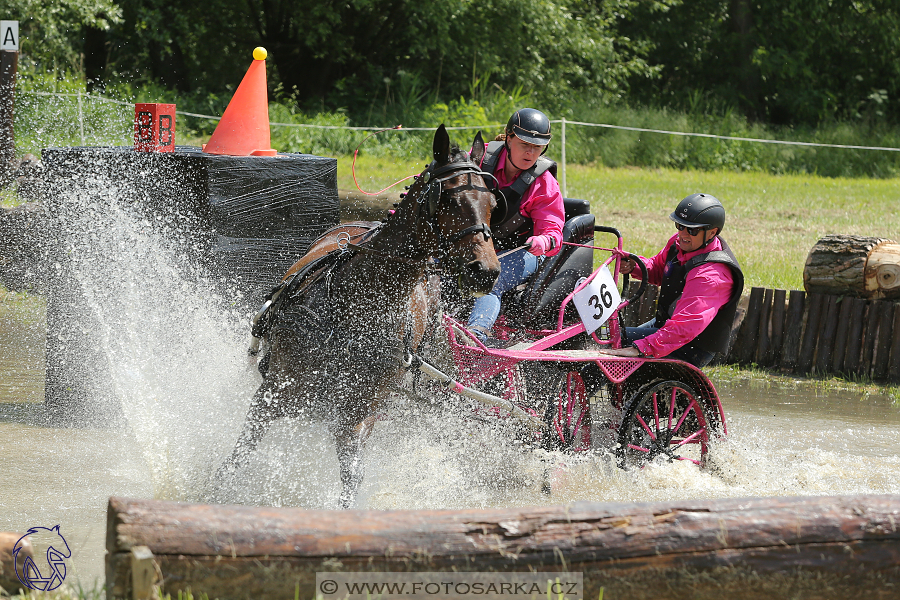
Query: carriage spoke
(656, 411)
(691, 438)
(686, 412)
(672, 407)
(680, 425)
(645, 426)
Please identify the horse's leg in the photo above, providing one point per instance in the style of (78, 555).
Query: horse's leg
(260, 416)
(350, 439)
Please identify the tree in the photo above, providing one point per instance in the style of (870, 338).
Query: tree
(782, 61)
(53, 33)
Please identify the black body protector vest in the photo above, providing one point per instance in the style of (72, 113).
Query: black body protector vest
(509, 227)
(715, 337)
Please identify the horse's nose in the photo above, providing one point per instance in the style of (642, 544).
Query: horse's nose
(480, 277)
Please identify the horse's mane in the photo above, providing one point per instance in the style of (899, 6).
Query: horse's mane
(454, 151)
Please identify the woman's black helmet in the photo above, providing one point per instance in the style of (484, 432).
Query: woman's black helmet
(530, 125)
(700, 210)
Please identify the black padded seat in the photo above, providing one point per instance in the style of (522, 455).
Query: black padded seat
(557, 276)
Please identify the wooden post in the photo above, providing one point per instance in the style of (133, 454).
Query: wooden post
(9, 66)
(894, 372)
(648, 304)
(791, 351)
(811, 333)
(750, 328)
(853, 358)
(869, 337)
(882, 348)
(825, 345)
(143, 574)
(828, 546)
(731, 356)
(762, 345)
(631, 311)
(777, 319)
(840, 340)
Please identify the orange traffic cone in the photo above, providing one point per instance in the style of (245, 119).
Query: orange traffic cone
(244, 128)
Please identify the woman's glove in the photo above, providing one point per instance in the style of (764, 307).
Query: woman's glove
(539, 245)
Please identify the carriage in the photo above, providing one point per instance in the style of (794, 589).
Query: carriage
(549, 375)
(348, 321)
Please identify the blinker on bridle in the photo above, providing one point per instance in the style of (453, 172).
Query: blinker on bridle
(434, 187)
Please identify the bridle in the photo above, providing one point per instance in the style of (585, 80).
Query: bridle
(429, 199)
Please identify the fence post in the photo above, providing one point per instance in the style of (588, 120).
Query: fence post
(80, 119)
(9, 62)
(562, 181)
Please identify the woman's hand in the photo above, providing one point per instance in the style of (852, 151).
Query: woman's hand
(626, 266)
(628, 352)
(539, 245)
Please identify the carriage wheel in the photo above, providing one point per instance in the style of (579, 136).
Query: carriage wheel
(664, 418)
(569, 416)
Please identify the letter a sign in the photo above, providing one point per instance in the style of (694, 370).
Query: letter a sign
(9, 35)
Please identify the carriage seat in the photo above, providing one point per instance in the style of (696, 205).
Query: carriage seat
(537, 307)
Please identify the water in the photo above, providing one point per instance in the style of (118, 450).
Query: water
(179, 370)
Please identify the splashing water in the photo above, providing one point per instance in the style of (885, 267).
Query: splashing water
(176, 347)
(176, 351)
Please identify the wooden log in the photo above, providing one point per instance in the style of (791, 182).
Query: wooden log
(832, 546)
(853, 359)
(810, 333)
(840, 339)
(777, 325)
(882, 350)
(865, 267)
(762, 335)
(791, 351)
(750, 328)
(825, 345)
(894, 372)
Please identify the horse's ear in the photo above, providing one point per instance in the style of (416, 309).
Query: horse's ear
(441, 148)
(477, 149)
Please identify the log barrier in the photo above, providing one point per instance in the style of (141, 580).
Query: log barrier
(799, 547)
(804, 333)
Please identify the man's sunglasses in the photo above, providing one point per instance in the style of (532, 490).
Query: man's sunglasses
(691, 230)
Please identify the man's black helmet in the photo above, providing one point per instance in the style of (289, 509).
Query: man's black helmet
(530, 125)
(700, 210)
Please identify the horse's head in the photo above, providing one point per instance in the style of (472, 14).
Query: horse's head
(454, 209)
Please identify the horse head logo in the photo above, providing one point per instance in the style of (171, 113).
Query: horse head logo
(55, 570)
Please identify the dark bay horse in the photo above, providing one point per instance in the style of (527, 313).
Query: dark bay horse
(333, 332)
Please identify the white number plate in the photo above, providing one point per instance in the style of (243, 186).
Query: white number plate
(596, 301)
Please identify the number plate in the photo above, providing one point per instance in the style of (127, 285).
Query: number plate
(596, 301)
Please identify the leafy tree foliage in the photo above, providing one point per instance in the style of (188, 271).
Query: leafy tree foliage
(52, 33)
(782, 61)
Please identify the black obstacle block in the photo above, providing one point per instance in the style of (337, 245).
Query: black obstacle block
(236, 223)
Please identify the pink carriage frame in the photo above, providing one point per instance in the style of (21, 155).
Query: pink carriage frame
(477, 363)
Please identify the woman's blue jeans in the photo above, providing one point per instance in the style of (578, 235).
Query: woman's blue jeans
(515, 268)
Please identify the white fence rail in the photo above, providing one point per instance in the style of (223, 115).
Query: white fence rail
(562, 122)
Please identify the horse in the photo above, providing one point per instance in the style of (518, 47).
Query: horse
(334, 332)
